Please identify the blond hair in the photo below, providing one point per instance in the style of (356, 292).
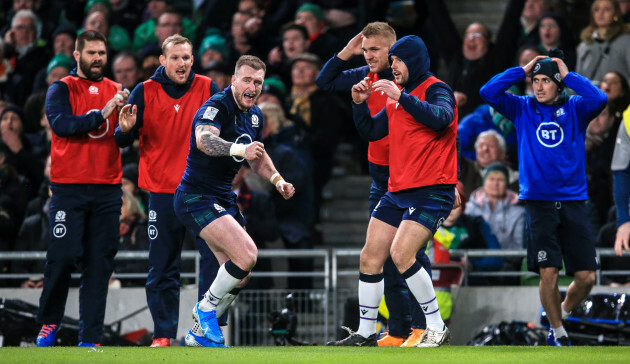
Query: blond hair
(382, 29)
(131, 206)
(274, 116)
(252, 61)
(615, 29)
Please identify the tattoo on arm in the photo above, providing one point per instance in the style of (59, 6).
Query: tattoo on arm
(108, 109)
(208, 141)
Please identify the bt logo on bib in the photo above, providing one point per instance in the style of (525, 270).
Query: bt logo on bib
(550, 134)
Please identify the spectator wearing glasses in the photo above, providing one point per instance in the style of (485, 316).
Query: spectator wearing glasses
(23, 50)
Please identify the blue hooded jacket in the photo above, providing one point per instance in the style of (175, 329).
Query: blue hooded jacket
(436, 111)
(413, 52)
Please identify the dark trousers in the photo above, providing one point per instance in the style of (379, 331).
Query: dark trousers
(404, 311)
(166, 238)
(84, 226)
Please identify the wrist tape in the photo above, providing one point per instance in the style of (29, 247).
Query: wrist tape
(238, 150)
(275, 179)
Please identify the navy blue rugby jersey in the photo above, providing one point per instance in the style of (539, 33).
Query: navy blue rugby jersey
(213, 175)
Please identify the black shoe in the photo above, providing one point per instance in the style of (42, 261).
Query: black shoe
(561, 341)
(564, 341)
(354, 339)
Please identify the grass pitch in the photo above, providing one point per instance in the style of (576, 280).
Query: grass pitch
(321, 354)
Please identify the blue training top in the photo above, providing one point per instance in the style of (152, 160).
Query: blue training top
(214, 175)
(551, 153)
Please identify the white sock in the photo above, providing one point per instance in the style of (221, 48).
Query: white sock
(371, 290)
(421, 287)
(225, 303)
(565, 314)
(222, 284)
(559, 332)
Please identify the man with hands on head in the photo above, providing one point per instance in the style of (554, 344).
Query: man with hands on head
(551, 129)
(374, 43)
(226, 131)
(421, 120)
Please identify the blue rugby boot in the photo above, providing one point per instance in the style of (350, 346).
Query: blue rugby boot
(208, 322)
(200, 341)
(46, 335)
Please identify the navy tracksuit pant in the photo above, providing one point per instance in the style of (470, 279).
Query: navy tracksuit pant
(84, 225)
(166, 236)
(404, 311)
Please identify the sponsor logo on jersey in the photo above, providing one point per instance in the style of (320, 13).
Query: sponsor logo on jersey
(153, 232)
(550, 134)
(59, 231)
(60, 216)
(176, 108)
(219, 208)
(210, 113)
(255, 121)
(377, 205)
(93, 90)
(560, 112)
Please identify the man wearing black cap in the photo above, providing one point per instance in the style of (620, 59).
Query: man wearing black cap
(63, 40)
(18, 151)
(552, 178)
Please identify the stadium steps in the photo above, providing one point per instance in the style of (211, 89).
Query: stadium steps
(487, 12)
(344, 213)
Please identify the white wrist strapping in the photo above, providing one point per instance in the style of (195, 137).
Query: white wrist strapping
(275, 179)
(238, 150)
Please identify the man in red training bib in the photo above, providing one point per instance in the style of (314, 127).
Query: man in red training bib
(421, 120)
(85, 178)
